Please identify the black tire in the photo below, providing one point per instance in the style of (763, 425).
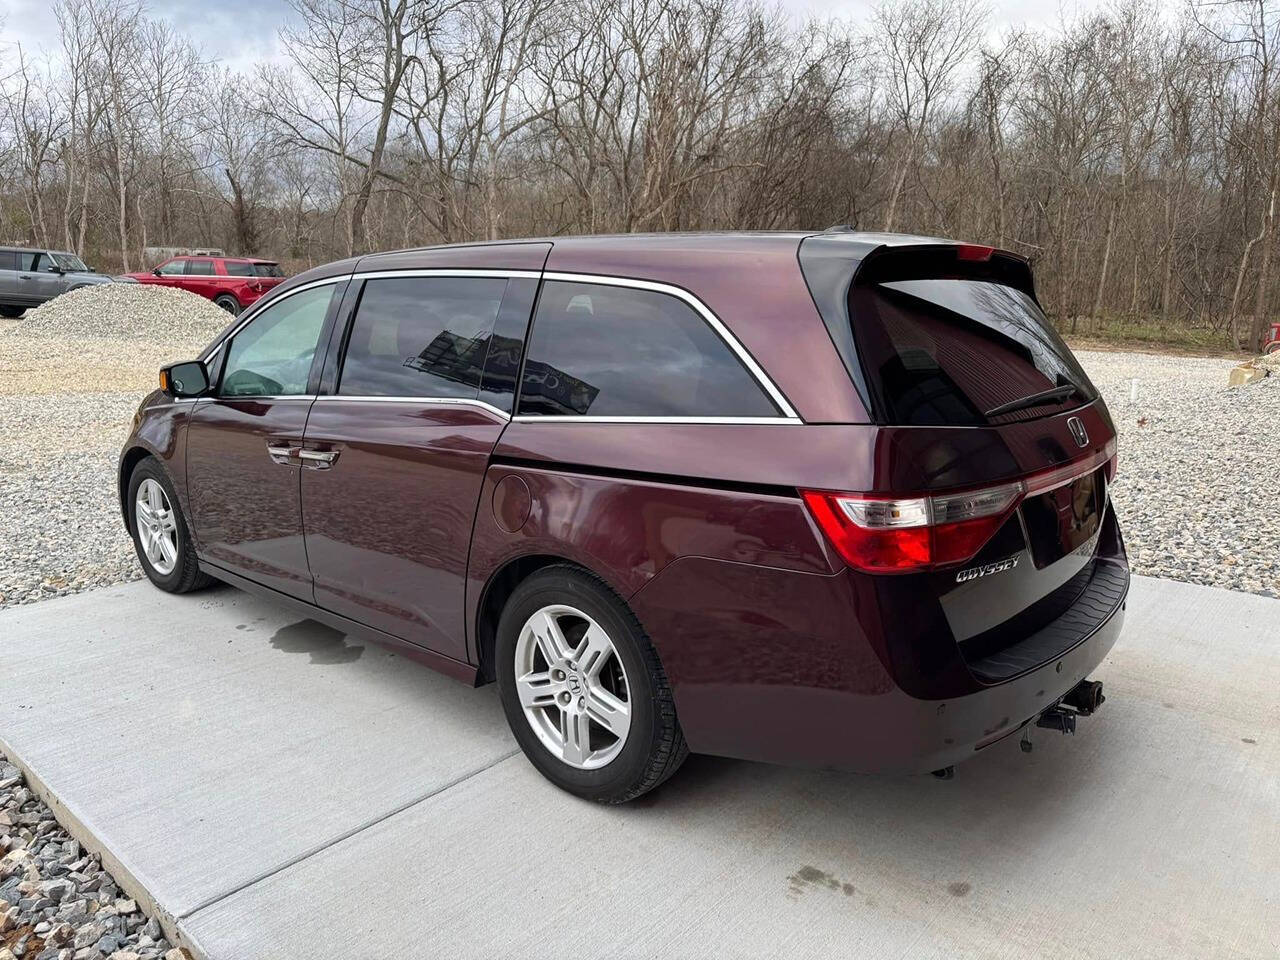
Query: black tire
(228, 303)
(1273, 347)
(11, 313)
(186, 574)
(654, 746)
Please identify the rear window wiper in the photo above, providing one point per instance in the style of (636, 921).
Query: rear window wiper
(1054, 395)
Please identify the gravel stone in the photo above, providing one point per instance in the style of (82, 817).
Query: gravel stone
(1197, 483)
(85, 924)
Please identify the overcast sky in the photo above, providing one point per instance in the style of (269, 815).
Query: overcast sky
(241, 32)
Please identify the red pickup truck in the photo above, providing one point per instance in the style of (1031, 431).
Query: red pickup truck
(233, 283)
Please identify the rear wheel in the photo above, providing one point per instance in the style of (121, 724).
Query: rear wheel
(583, 689)
(161, 537)
(1272, 347)
(11, 313)
(229, 304)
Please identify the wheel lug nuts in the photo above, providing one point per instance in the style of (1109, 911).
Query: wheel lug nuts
(582, 703)
(565, 698)
(557, 674)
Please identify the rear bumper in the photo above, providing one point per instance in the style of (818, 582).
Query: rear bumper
(812, 692)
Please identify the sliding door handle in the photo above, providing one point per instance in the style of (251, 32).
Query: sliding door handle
(320, 459)
(285, 454)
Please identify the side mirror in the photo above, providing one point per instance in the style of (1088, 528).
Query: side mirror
(53, 268)
(190, 379)
(156, 271)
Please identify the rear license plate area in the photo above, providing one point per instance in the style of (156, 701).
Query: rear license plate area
(1063, 520)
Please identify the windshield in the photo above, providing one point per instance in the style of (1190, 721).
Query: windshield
(70, 262)
(943, 351)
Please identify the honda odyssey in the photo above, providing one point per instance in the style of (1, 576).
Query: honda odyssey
(835, 499)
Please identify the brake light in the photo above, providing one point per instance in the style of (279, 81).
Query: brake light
(974, 252)
(907, 535)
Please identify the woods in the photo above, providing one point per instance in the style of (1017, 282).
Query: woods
(1133, 154)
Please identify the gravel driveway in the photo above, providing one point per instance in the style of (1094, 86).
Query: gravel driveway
(1197, 490)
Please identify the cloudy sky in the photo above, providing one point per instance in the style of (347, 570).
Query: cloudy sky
(241, 32)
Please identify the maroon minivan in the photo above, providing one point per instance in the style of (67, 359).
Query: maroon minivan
(828, 499)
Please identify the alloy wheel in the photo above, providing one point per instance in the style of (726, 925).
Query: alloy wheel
(157, 527)
(572, 687)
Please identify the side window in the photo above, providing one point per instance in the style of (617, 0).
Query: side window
(615, 351)
(199, 268)
(27, 260)
(8, 260)
(235, 268)
(271, 356)
(174, 268)
(421, 337)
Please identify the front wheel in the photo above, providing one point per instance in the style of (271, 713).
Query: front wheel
(161, 537)
(229, 304)
(583, 689)
(11, 313)
(1272, 347)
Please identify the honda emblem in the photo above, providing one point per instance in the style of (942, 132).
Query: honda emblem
(1076, 426)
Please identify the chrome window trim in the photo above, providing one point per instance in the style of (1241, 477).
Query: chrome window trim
(731, 341)
(493, 274)
(787, 415)
(441, 401)
(587, 418)
(253, 396)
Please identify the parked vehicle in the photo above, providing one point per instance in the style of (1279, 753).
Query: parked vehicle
(233, 283)
(29, 276)
(1273, 340)
(824, 499)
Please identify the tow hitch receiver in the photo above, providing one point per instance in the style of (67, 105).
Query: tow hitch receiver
(1056, 718)
(1082, 700)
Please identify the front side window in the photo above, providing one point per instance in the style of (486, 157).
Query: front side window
(421, 337)
(199, 268)
(174, 268)
(272, 355)
(69, 262)
(600, 350)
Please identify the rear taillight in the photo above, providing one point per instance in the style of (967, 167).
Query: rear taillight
(905, 535)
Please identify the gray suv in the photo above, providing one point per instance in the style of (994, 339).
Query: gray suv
(29, 277)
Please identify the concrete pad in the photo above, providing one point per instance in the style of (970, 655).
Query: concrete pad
(1152, 833)
(210, 739)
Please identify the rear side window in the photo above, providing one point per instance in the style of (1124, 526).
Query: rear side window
(8, 260)
(237, 269)
(200, 268)
(949, 351)
(267, 270)
(599, 350)
(421, 337)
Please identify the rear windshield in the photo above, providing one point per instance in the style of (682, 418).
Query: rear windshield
(951, 351)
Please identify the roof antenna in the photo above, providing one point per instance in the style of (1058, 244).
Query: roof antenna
(839, 228)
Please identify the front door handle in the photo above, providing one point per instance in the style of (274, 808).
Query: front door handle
(285, 454)
(320, 459)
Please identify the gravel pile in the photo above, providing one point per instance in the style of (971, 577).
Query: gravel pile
(1199, 478)
(128, 311)
(56, 901)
